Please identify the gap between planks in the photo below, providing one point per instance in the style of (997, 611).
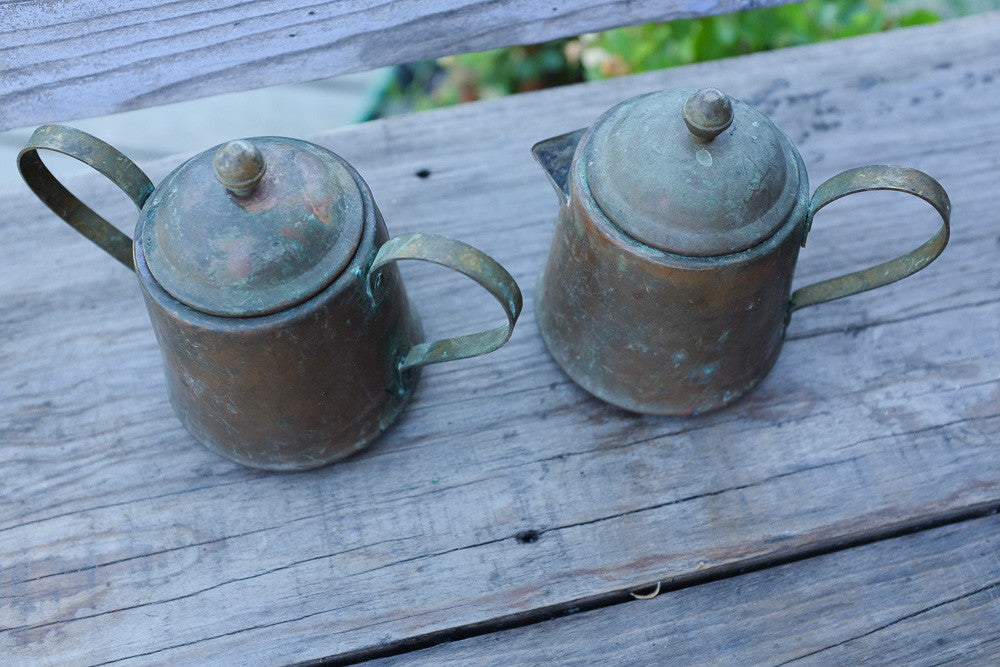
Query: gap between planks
(690, 580)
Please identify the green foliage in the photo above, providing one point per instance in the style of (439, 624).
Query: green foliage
(659, 45)
(638, 49)
(501, 72)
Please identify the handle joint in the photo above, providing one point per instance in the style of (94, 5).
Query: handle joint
(864, 179)
(96, 154)
(468, 261)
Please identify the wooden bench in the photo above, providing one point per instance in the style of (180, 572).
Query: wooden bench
(844, 511)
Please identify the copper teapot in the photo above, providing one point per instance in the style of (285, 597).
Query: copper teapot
(667, 286)
(287, 337)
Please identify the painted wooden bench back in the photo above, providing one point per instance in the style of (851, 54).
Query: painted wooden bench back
(64, 61)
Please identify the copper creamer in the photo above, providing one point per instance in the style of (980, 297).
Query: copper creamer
(667, 288)
(287, 338)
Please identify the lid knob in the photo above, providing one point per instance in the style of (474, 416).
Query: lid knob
(239, 166)
(707, 113)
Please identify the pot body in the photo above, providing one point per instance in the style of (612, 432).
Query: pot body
(299, 388)
(287, 338)
(656, 332)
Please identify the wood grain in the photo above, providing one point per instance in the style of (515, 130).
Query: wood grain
(122, 539)
(66, 60)
(923, 599)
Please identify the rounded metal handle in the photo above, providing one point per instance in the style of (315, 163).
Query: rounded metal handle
(96, 154)
(863, 179)
(468, 261)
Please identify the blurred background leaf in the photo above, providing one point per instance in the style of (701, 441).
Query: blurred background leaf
(621, 51)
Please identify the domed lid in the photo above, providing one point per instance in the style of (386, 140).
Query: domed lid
(692, 173)
(252, 227)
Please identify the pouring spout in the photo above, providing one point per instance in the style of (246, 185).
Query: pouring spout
(556, 155)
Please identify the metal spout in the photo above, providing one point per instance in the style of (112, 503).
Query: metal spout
(556, 155)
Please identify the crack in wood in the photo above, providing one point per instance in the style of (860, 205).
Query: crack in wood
(150, 554)
(542, 531)
(697, 578)
(120, 504)
(855, 328)
(925, 429)
(715, 418)
(709, 494)
(261, 626)
(901, 619)
(209, 588)
(218, 636)
(944, 470)
(686, 430)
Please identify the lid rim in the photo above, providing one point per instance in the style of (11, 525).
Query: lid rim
(152, 289)
(763, 240)
(669, 189)
(593, 212)
(235, 256)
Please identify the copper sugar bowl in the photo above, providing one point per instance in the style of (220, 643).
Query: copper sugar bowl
(667, 286)
(287, 337)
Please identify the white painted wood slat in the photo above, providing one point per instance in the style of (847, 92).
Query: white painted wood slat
(66, 60)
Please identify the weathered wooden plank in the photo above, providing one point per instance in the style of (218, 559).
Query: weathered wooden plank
(882, 410)
(923, 599)
(64, 60)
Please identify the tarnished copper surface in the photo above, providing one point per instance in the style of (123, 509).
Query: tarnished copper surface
(287, 338)
(295, 389)
(258, 253)
(239, 166)
(655, 330)
(660, 333)
(686, 194)
(708, 113)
